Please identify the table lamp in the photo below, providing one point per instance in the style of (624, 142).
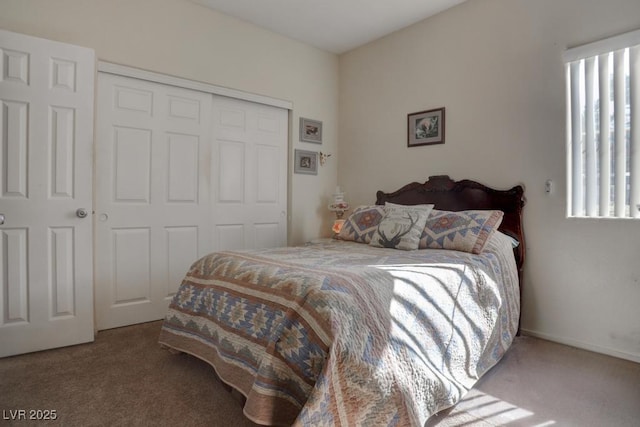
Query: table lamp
(339, 207)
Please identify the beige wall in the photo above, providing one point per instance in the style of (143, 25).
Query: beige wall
(181, 38)
(496, 65)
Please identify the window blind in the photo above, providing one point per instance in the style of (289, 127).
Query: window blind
(603, 128)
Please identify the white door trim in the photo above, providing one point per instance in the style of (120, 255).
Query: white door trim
(123, 70)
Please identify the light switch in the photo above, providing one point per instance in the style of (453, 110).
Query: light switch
(548, 186)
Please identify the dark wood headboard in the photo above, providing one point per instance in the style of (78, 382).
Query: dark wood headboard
(450, 195)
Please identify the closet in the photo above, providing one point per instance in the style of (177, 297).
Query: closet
(179, 173)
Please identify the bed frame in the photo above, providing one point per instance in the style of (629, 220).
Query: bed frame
(447, 194)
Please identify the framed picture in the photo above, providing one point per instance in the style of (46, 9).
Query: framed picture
(306, 162)
(426, 127)
(310, 130)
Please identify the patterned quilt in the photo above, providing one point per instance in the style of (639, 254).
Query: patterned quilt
(341, 333)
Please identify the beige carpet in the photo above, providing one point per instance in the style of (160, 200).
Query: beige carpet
(125, 379)
(540, 383)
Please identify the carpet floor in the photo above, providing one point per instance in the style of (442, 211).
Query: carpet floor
(124, 378)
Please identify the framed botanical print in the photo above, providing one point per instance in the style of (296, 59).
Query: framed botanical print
(426, 127)
(310, 130)
(306, 162)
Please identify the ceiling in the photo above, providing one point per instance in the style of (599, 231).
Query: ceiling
(332, 25)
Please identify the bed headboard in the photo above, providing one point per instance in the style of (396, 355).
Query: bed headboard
(450, 195)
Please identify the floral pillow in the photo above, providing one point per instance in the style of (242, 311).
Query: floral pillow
(466, 231)
(401, 227)
(361, 224)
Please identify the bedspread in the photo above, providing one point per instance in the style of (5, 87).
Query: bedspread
(340, 333)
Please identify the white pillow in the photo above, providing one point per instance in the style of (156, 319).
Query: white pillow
(395, 205)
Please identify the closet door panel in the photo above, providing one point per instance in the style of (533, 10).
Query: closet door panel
(153, 205)
(250, 165)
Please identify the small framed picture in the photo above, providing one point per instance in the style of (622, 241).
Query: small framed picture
(426, 127)
(306, 162)
(310, 130)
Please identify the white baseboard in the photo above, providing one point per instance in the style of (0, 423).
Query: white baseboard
(585, 346)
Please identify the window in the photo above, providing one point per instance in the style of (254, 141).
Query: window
(603, 128)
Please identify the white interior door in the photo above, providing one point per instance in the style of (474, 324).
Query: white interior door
(250, 174)
(46, 133)
(153, 209)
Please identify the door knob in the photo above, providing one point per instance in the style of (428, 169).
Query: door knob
(1, 219)
(81, 212)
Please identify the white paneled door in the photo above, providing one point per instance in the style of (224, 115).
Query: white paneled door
(153, 209)
(179, 173)
(250, 175)
(46, 133)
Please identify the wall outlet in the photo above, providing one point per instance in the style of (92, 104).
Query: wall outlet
(548, 186)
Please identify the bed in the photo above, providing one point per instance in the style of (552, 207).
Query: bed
(341, 332)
